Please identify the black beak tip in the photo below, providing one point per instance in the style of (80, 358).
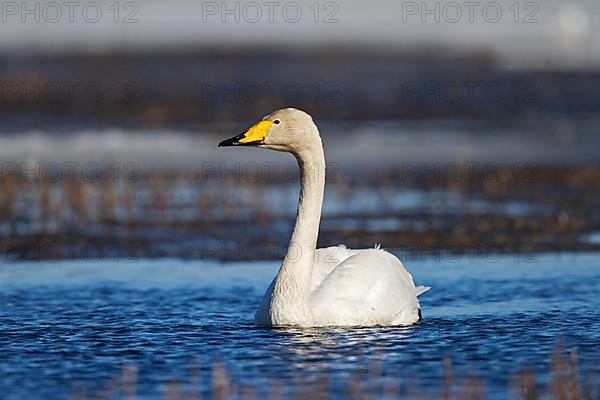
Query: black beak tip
(234, 141)
(228, 143)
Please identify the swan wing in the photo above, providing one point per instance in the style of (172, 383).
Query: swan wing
(326, 260)
(368, 287)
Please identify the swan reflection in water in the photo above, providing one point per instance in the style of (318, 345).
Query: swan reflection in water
(319, 349)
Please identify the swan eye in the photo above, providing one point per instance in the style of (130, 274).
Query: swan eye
(276, 122)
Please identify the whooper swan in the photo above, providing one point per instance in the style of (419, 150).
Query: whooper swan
(334, 286)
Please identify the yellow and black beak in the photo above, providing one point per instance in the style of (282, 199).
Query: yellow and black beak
(254, 136)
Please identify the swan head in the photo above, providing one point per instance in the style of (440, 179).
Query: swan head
(289, 130)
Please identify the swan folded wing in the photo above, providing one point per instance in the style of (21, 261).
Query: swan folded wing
(326, 260)
(370, 287)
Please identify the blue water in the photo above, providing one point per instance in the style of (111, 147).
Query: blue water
(73, 325)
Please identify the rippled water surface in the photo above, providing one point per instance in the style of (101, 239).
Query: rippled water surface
(75, 324)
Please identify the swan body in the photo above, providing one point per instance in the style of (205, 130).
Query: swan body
(367, 287)
(333, 286)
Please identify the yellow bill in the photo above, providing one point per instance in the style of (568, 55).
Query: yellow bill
(255, 135)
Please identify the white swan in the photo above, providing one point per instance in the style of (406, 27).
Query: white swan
(334, 286)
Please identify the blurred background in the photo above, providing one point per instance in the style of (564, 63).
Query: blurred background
(434, 114)
(461, 128)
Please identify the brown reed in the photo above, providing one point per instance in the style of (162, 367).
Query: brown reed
(565, 384)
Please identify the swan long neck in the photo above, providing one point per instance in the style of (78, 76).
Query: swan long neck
(293, 283)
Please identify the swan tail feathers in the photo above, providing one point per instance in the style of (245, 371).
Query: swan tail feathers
(419, 290)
